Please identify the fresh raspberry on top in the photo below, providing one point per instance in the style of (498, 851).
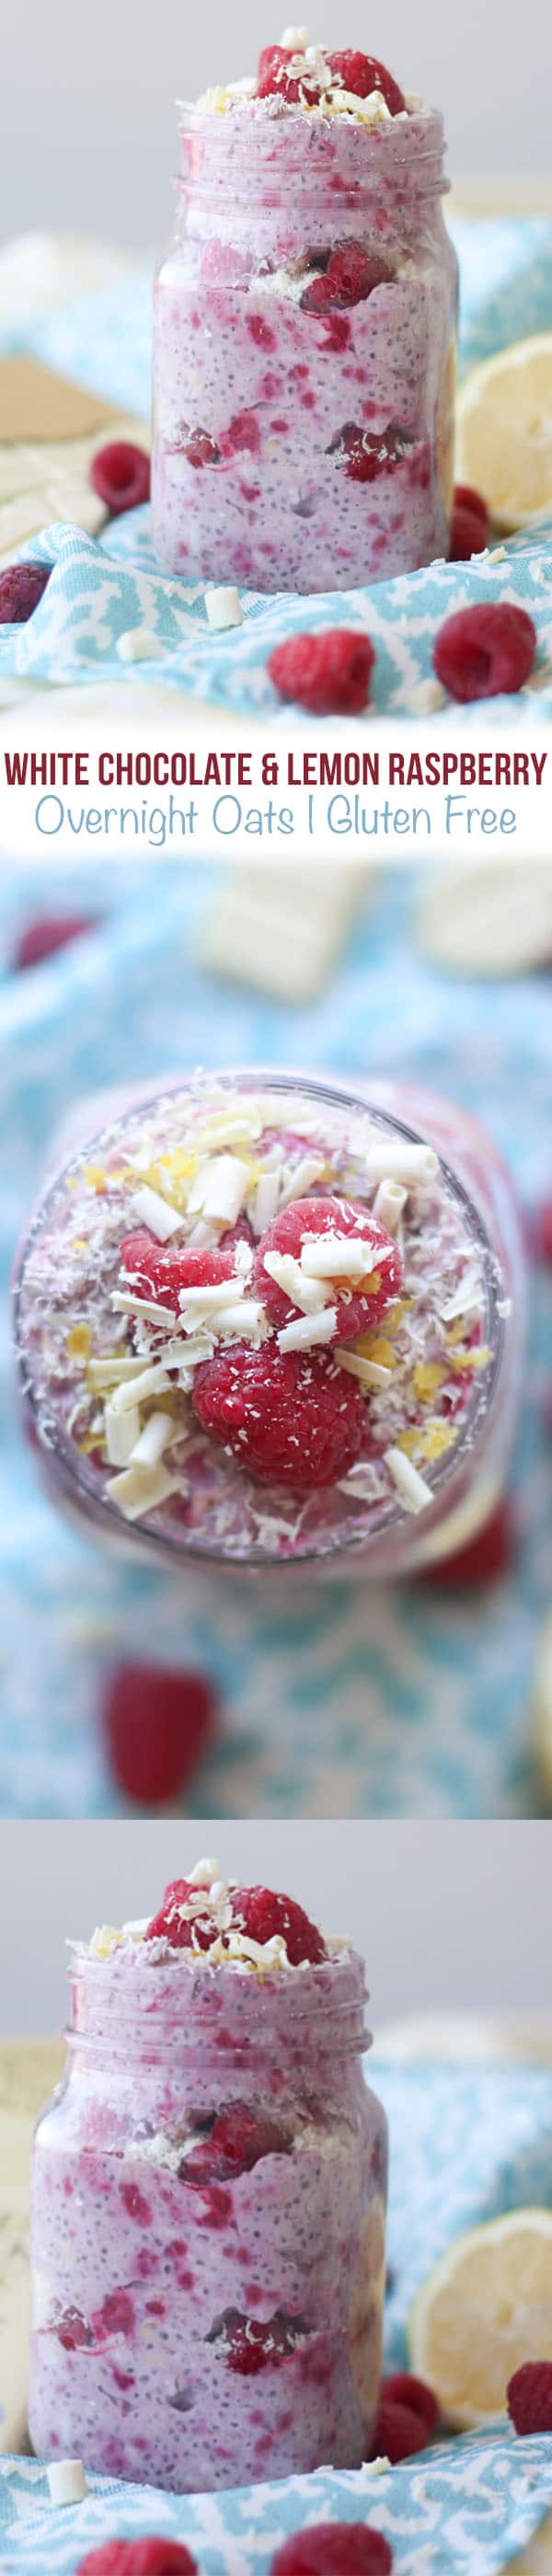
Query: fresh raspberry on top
(237, 2141)
(328, 673)
(158, 1271)
(405, 2390)
(529, 2395)
(334, 2549)
(262, 1914)
(156, 1724)
(285, 1414)
(275, 79)
(398, 2432)
(151, 2556)
(484, 651)
(362, 74)
(178, 1929)
(21, 587)
(120, 474)
(358, 1306)
(348, 279)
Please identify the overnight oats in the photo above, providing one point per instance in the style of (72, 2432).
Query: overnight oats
(305, 331)
(260, 1322)
(209, 2187)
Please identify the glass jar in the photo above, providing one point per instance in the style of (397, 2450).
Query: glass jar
(198, 2334)
(293, 449)
(206, 1513)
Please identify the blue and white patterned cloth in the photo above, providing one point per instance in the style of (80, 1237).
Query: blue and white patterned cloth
(99, 591)
(465, 2145)
(364, 1702)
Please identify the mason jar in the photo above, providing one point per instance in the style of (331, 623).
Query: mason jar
(296, 449)
(205, 1510)
(190, 2333)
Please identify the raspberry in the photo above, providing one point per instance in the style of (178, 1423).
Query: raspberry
(250, 2347)
(200, 448)
(466, 499)
(361, 74)
(334, 2549)
(170, 1925)
(261, 1914)
(485, 650)
(46, 934)
(529, 2395)
(358, 1309)
(157, 1271)
(72, 2331)
(401, 2387)
(274, 79)
(238, 2140)
(328, 673)
(398, 2432)
(287, 1414)
(152, 2556)
(466, 534)
(21, 587)
(543, 1234)
(349, 278)
(365, 455)
(483, 1558)
(156, 1724)
(120, 473)
(242, 436)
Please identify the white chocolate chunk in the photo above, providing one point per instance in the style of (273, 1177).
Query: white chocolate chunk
(195, 1301)
(156, 1436)
(155, 1212)
(389, 1202)
(105, 1373)
(294, 40)
(122, 1430)
(368, 1372)
(401, 1162)
(140, 644)
(140, 1489)
(265, 1202)
(302, 1179)
(207, 1873)
(245, 1317)
(125, 1303)
(413, 1490)
(152, 1381)
(337, 1256)
(223, 608)
(465, 1299)
(220, 1189)
(309, 1329)
(288, 1274)
(67, 2482)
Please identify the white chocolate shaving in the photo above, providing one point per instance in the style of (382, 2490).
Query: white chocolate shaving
(220, 1189)
(155, 1212)
(368, 1372)
(413, 1490)
(389, 1202)
(152, 1381)
(308, 1331)
(399, 1162)
(288, 1274)
(157, 1435)
(67, 2482)
(122, 1430)
(125, 1303)
(141, 1489)
(334, 1256)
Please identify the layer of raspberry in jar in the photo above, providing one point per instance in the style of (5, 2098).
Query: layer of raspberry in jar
(253, 1324)
(209, 2200)
(304, 331)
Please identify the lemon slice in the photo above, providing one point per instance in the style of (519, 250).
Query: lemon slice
(504, 432)
(485, 2308)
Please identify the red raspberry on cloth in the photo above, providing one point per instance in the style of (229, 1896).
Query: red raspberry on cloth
(237, 2141)
(466, 534)
(529, 2395)
(483, 651)
(46, 934)
(120, 474)
(465, 498)
(542, 1234)
(286, 1414)
(156, 1270)
(156, 1724)
(361, 1306)
(328, 673)
(483, 1558)
(152, 2556)
(261, 1914)
(398, 2432)
(274, 78)
(21, 587)
(362, 74)
(349, 278)
(405, 2390)
(334, 2549)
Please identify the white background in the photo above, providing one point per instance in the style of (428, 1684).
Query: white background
(447, 1915)
(88, 139)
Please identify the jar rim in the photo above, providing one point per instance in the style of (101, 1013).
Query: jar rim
(413, 144)
(447, 1473)
(325, 2007)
